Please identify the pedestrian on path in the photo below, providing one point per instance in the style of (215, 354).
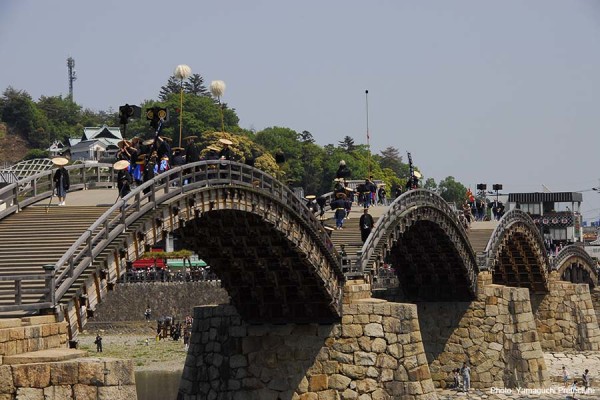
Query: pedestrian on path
(61, 183)
(465, 371)
(98, 343)
(586, 379)
(366, 223)
(565, 376)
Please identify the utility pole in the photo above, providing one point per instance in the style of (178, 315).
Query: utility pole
(72, 75)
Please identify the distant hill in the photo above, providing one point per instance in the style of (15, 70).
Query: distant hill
(12, 147)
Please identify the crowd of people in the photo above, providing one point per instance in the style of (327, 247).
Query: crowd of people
(155, 274)
(140, 161)
(169, 327)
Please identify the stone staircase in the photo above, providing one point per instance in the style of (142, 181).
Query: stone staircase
(349, 236)
(33, 238)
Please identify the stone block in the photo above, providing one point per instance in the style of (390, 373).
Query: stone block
(58, 393)
(9, 323)
(373, 330)
(27, 393)
(64, 373)
(120, 372)
(317, 383)
(31, 375)
(91, 372)
(127, 392)
(6, 380)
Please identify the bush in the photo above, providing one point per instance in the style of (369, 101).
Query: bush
(35, 153)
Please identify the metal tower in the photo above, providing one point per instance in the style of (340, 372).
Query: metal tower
(72, 75)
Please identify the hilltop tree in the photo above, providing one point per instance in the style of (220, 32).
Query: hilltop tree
(452, 191)
(347, 144)
(195, 85)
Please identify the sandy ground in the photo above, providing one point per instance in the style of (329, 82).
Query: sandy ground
(139, 345)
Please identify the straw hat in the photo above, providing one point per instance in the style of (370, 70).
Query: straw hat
(417, 174)
(310, 197)
(177, 148)
(123, 142)
(60, 161)
(225, 141)
(213, 148)
(168, 139)
(148, 142)
(191, 137)
(340, 195)
(135, 140)
(121, 164)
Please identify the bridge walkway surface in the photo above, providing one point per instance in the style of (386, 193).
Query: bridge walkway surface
(349, 236)
(480, 233)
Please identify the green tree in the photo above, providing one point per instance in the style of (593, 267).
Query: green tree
(347, 144)
(285, 142)
(173, 86)
(452, 191)
(195, 85)
(18, 111)
(430, 184)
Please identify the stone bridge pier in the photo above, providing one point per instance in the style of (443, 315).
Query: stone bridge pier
(565, 316)
(495, 334)
(374, 352)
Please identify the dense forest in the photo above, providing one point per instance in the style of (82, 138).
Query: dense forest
(301, 162)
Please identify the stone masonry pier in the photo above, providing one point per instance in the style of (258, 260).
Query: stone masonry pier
(375, 352)
(565, 317)
(495, 334)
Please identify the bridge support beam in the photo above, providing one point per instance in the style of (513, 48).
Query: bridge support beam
(375, 352)
(565, 317)
(495, 334)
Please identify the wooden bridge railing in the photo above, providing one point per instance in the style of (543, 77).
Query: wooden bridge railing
(147, 197)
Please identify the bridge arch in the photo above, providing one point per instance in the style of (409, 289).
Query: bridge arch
(274, 260)
(424, 241)
(195, 198)
(516, 254)
(575, 265)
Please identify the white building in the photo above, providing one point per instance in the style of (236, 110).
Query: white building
(96, 143)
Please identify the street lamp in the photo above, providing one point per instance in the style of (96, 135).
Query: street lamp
(217, 88)
(182, 72)
(497, 187)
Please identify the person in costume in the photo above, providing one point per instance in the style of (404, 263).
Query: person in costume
(366, 224)
(61, 183)
(192, 153)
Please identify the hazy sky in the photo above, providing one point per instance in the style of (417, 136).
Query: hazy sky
(493, 92)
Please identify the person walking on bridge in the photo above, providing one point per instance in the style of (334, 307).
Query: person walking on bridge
(61, 183)
(366, 223)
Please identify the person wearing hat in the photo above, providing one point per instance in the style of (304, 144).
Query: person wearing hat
(178, 156)
(343, 171)
(366, 224)
(124, 179)
(61, 183)
(225, 153)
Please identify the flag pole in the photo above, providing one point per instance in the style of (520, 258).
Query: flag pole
(368, 136)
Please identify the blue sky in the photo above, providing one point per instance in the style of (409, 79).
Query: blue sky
(494, 92)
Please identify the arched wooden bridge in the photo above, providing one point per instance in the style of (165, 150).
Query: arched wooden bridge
(270, 252)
